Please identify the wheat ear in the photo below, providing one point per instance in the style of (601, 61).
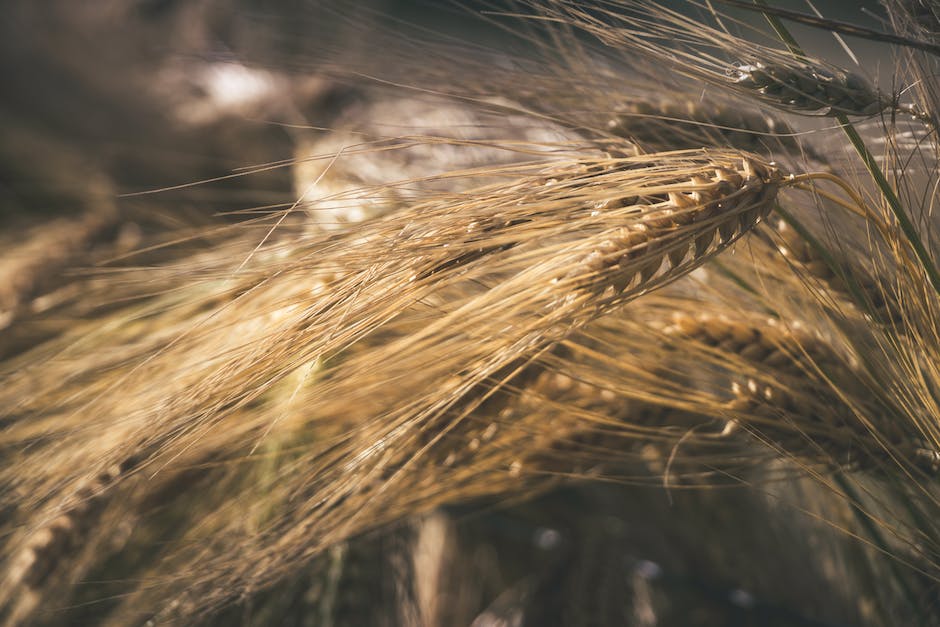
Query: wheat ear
(849, 281)
(689, 123)
(791, 83)
(567, 244)
(688, 220)
(804, 88)
(30, 264)
(50, 542)
(800, 391)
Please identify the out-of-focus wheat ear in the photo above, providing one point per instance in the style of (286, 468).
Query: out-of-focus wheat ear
(808, 89)
(55, 543)
(675, 124)
(849, 281)
(787, 81)
(599, 431)
(794, 389)
(36, 259)
(51, 544)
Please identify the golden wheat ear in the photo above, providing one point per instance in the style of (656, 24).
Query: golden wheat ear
(844, 277)
(683, 223)
(796, 390)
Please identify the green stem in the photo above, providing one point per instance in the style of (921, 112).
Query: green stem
(782, 32)
(910, 232)
(907, 227)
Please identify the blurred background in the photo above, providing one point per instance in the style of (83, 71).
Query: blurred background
(159, 92)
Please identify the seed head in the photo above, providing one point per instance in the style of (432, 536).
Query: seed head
(810, 89)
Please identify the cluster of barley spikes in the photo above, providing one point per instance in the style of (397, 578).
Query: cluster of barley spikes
(630, 321)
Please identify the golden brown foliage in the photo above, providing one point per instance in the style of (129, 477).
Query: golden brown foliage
(520, 291)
